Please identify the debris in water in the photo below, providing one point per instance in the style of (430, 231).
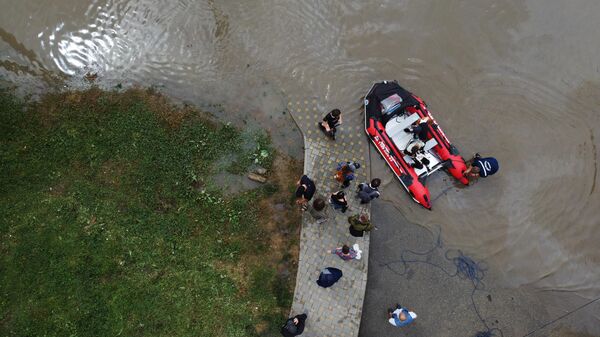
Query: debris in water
(257, 177)
(262, 171)
(91, 77)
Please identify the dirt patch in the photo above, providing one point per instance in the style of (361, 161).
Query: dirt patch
(58, 189)
(283, 220)
(169, 113)
(281, 223)
(111, 171)
(172, 115)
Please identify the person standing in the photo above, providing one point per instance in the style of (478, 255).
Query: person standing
(368, 192)
(330, 123)
(345, 172)
(400, 316)
(481, 167)
(294, 326)
(305, 191)
(359, 224)
(345, 253)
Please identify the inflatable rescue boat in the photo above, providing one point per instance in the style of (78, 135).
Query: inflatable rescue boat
(391, 115)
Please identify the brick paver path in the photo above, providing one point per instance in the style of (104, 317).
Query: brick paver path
(335, 311)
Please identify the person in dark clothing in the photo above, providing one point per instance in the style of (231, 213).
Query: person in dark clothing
(330, 123)
(294, 326)
(421, 128)
(368, 192)
(329, 276)
(345, 172)
(305, 191)
(339, 201)
(481, 167)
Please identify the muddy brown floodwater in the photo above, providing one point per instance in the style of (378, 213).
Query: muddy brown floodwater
(519, 80)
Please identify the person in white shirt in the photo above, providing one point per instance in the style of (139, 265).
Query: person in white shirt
(400, 316)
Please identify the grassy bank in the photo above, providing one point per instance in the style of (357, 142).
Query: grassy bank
(111, 224)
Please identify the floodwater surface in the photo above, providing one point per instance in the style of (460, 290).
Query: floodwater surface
(519, 80)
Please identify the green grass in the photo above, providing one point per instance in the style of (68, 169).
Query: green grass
(110, 225)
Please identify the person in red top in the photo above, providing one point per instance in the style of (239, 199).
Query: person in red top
(345, 253)
(345, 172)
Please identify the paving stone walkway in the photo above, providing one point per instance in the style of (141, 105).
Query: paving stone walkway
(335, 311)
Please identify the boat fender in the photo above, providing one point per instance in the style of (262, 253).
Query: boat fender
(453, 150)
(406, 179)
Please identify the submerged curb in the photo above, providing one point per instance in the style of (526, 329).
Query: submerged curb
(334, 311)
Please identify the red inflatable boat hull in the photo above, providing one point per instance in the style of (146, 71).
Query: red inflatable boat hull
(375, 129)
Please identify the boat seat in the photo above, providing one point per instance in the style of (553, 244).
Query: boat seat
(408, 159)
(395, 127)
(434, 164)
(430, 144)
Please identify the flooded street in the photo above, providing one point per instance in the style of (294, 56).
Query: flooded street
(519, 80)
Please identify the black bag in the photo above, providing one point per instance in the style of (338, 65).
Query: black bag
(290, 326)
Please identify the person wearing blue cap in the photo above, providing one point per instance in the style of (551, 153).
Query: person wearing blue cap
(481, 167)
